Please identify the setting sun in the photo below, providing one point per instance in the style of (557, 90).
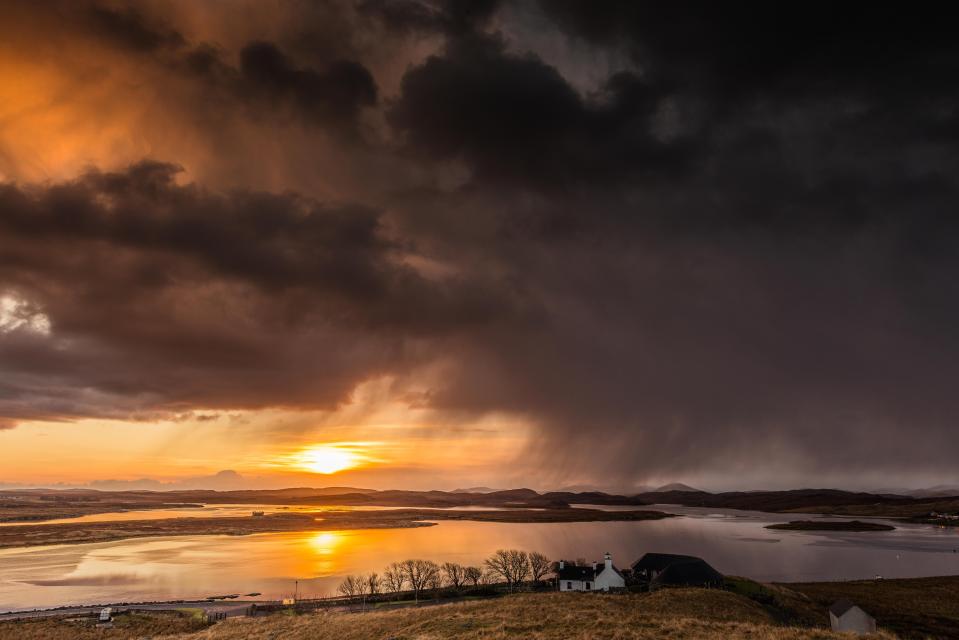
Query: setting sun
(327, 459)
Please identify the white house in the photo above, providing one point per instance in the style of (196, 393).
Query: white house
(573, 577)
(105, 621)
(845, 616)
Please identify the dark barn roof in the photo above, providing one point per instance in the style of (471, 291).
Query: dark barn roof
(658, 561)
(689, 573)
(680, 570)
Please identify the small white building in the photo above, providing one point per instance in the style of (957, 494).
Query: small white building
(573, 577)
(105, 619)
(846, 616)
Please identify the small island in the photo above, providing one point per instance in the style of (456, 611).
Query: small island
(831, 525)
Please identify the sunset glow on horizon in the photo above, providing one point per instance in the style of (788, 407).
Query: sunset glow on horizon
(328, 459)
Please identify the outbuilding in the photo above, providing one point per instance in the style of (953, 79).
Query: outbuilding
(845, 616)
(667, 569)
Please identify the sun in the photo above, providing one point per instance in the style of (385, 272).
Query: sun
(327, 459)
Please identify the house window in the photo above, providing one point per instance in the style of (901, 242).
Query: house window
(569, 585)
(587, 586)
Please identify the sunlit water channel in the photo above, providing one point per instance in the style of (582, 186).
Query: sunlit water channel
(735, 542)
(221, 511)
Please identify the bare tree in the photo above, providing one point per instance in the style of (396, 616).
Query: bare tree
(539, 565)
(393, 579)
(520, 563)
(420, 574)
(435, 581)
(512, 565)
(455, 574)
(473, 575)
(373, 583)
(352, 587)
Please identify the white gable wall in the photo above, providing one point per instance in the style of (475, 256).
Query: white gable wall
(855, 620)
(609, 579)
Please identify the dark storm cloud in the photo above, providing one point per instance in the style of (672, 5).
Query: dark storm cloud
(329, 90)
(785, 281)
(515, 119)
(455, 17)
(272, 86)
(163, 296)
(335, 94)
(757, 49)
(734, 254)
(128, 28)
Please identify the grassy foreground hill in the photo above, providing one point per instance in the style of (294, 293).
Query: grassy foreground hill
(677, 614)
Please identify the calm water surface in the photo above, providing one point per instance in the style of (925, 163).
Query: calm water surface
(735, 542)
(222, 511)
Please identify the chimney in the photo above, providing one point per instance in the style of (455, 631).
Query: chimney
(609, 560)
(562, 564)
(594, 565)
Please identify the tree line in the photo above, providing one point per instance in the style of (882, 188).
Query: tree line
(510, 566)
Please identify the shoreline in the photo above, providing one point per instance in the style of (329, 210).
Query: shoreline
(31, 535)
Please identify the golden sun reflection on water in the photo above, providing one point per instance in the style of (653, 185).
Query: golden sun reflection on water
(326, 542)
(321, 551)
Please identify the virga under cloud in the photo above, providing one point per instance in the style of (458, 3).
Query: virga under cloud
(732, 251)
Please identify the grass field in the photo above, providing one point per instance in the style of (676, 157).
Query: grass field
(912, 608)
(677, 614)
(130, 626)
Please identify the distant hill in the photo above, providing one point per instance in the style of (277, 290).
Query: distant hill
(800, 500)
(624, 489)
(794, 500)
(474, 490)
(939, 491)
(592, 497)
(677, 486)
(578, 488)
(344, 496)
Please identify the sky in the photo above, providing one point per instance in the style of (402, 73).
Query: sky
(448, 243)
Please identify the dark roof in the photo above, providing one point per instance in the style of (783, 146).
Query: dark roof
(691, 573)
(658, 561)
(840, 607)
(575, 572)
